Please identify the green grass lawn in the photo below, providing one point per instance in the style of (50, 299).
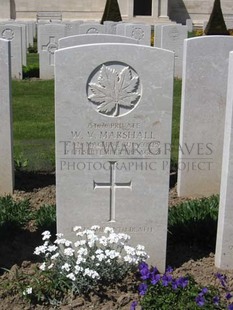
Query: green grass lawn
(33, 122)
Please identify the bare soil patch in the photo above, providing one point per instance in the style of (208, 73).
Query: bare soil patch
(17, 254)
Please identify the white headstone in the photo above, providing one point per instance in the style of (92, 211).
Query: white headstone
(224, 245)
(120, 29)
(140, 32)
(48, 35)
(6, 141)
(189, 25)
(14, 34)
(109, 169)
(72, 28)
(202, 114)
(94, 28)
(110, 27)
(93, 38)
(157, 35)
(172, 38)
(24, 40)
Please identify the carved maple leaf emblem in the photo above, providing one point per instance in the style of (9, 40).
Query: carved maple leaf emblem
(114, 90)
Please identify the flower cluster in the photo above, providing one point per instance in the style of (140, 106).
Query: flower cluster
(229, 297)
(94, 259)
(154, 277)
(157, 290)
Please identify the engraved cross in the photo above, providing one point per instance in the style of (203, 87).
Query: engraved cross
(112, 185)
(51, 47)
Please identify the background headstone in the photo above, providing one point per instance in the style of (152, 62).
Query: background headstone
(72, 28)
(172, 38)
(109, 171)
(203, 104)
(24, 40)
(6, 140)
(110, 27)
(93, 38)
(14, 34)
(224, 245)
(48, 35)
(189, 25)
(140, 32)
(92, 28)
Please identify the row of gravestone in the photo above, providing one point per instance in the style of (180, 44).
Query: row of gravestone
(169, 37)
(113, 135)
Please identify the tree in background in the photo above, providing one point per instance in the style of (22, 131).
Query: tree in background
(111, 12)
(216, 24)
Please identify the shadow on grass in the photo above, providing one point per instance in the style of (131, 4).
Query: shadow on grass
(17, 245)
(27, 181)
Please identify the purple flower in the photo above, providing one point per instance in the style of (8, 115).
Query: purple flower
(155, 278)
(230, 307)
(222, 278)
(166, 279)
(175, 285)
(204, 291)
(216, 300)
(142, 289)
(143, 265)
(144, 271)
(133, 305)
(169, 269)
(200, 300)
(154, 271)
(228, 296)
(182, 282)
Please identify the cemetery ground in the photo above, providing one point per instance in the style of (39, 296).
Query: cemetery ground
(192, 222)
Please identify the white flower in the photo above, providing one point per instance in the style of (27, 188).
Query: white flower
(140, 247)
(52, 248)
(98, 251)
(95, 227)
(100, 257)
(128, 259)
(112, 254)
(60, 241)
(59, 235)
(78, 269)
(82, 251)
(66, 267)
(91, 273)
(69, 251)
(55, 256)
(80, 260)
(91, 243)
(27, 291)
(123, 236)
(50, 266)
(81, 242)
(113, 238)
(108, 230)
(42, 266)
(68, 243)
(80, 234)
(104, 241)
(77, 228)
(141, 254)
(129, 250)
(71, 276)
(40, 249)
(46, 235)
